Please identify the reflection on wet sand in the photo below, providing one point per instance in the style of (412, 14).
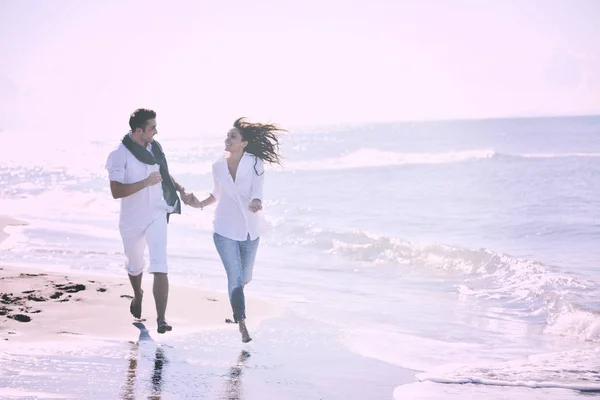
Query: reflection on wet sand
(128, 390)
(232, 389)
(157, 381)
(233, 384)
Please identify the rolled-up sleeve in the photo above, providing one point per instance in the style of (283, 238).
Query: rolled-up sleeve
(115, 165)
(258, 178)
(216, 191)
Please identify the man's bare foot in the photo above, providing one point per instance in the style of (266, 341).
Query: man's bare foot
(244, 331)
(163, 326)
(135, 308)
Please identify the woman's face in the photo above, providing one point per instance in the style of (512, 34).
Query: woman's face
(234, 142)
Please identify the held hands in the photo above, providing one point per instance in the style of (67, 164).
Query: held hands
(153, 179)
(255, 205)
(188, 198)
(191, 200)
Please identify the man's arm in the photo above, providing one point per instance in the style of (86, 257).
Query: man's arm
(178, 187)
(120, 190)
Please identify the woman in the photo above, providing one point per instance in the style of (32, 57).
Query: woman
(238, 186)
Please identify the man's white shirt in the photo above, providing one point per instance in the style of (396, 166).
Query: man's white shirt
(140, 208)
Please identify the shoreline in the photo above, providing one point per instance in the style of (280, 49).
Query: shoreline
(79, 322)
(42, 306)
(6, 221)
(38, 304)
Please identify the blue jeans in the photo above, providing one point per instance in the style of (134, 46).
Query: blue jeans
(238, 259)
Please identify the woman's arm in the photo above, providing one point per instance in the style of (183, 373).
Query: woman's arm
(193, 201)
(258, 179)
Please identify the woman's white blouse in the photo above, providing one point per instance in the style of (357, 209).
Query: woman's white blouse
(233, 219)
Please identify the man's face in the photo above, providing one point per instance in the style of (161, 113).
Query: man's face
(146, 135)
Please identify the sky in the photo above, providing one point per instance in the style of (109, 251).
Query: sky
(79, 67)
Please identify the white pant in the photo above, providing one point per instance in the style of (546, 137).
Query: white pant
(135, 239)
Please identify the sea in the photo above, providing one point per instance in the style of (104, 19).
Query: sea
(416, 260)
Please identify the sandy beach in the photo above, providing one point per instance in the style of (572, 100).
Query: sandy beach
(42, 305)
(48, 306)
(70, 335)
(406, 191)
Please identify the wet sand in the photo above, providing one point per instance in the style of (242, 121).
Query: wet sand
(40, 305)
(72, 336)
(37, 305)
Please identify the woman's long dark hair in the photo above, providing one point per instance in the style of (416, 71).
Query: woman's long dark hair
(263, 140)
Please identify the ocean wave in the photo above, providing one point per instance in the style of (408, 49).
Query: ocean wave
(525, 287)
(500, 156)
(573, 369)
(558, 155)
(89, 161)
(574, 322)
(367, 157)
(429, 390)
(370, 158)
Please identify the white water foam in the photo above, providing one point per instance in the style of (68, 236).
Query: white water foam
(528, 287)
(18, 393)
(558, 155)
(573, 369)
(583, 325)
(416, 352)
(367, 158)
(435, 391)
(377, 158)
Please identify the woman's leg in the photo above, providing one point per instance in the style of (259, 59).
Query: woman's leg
(248, 255)
(248, 250)
(229, 251)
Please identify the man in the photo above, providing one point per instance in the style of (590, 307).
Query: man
(135, 170)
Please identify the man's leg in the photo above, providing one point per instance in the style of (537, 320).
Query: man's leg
(138, 293)
(161, 294)
(134, 246)
(156, 237)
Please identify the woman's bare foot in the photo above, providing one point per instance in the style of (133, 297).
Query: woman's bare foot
(244, 331)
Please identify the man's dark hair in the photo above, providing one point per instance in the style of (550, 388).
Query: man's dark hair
(140, 118)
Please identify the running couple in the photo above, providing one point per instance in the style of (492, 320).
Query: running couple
(136, 168)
